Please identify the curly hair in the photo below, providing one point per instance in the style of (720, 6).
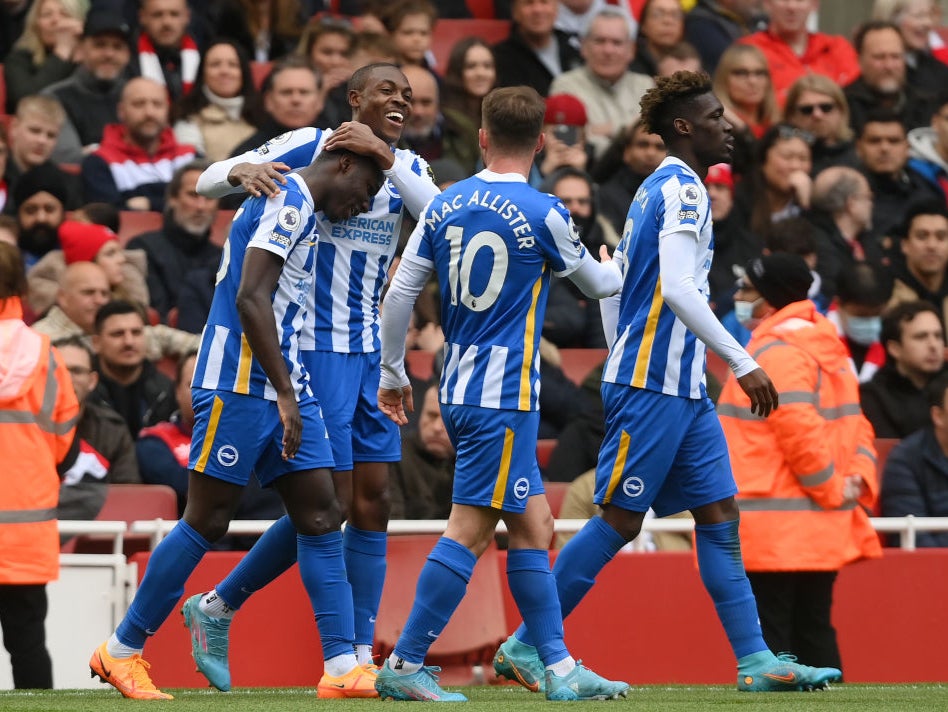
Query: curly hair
(662, 102)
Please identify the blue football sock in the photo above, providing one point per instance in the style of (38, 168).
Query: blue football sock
(534, 589)
(441, 586)
(169, 566)
(324, 576)
(364, 552)
(272, 554)
(578, 564)
(722, 571)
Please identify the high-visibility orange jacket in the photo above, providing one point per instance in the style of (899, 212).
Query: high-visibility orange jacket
(830, 55)
(38, 412)
(790, 467)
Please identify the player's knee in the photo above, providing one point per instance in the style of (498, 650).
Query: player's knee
(318, 521)
(211, 525)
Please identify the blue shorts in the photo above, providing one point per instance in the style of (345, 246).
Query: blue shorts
(347, 386)
(496, 462)
(236, 434)
(661, 451)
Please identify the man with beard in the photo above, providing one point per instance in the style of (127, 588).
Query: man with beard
(139, 154)
(181, 251)
(166, 53)
(40, 197)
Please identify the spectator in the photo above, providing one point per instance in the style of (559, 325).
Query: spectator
(680, 57)
(88, 242)
(535, 52)
(742, 82)
(470, 74)
(328, 43)
(842, 217)
(924, 244)
(40, 408)
(409, 23)
(106, 451)
(577, 447)
(778, 185)
(929, 146)
(915, 478)
(792, 50)
(40, 196)
(90, 95)
(4, 157)
(133, 164)
(882, 83)
(806, 473)
(9, 230)
(734, 245)
(221, 110)
(46, 51)
(266, 31)
(639, 153)
(83, 290)
(817, 105)
(714, 25)
(609, 91)
(166, 54)
(574, 16)
(12, 21)
(916, 20)
(371, 48)
(181, 252)
(33, 134)
(424, 130)
(862, 293)
(292, 99)
(420, 484)
(883, 150)
(128, 381)
(661, 27)
(564, 137)
(914, 341)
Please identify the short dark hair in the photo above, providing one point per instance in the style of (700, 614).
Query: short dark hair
(291, 61)
(922, 207)
(177, 178)
(792, 235)
(865, 28)
(879, 115)
(77, 342)
(661, 104)
(864, 284)
(513, 117)
(935, 390)
(105, 214)
(116, 307)
(360, 77)
(895, 317)
(12, 272)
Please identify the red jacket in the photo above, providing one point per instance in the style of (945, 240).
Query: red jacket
(790, 467)
(830, 55)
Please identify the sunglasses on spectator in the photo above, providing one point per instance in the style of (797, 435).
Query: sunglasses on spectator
(824, 107)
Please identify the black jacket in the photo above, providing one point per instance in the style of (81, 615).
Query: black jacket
(517, 63)
(914, 107)
(147, 401)
(892, 403)
(915, 481)
(834, 253)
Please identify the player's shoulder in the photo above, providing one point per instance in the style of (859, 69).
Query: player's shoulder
(293, 140)
(675, 180)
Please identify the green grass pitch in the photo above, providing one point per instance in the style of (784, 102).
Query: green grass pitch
(655, 698)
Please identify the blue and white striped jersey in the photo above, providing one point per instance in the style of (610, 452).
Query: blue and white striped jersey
(284, 226)
(653, 349)
(353, 256)
(494, 242)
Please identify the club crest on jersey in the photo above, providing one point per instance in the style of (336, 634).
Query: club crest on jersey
(521, 488)
(227, 455)
(289, 218)
(688, 194)
(633, 486)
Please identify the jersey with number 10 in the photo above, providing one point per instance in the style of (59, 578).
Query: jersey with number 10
(284, 226)
(494, 241)
(653, 349)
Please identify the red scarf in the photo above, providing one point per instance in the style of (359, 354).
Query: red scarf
(151, 66)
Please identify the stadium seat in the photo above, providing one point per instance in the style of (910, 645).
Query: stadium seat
(128, 503)
(577, 363)
(555, 494)
(475, 630)
(448, 32)
(259, 72)
(221, 227)
(420, 364)
(717, 366)
(481, 9)
(134, 222)
(545, 448)
(72, 169)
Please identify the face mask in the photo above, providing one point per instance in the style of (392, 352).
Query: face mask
(863, 330)
(744, 313)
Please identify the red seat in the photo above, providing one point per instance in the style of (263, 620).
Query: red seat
(129, 503)
(259, 72)
(577, 363)
(544, 450)
(555, 494)
(475, 630)
(447, 32)
(481, 9)
(717, 367)
(221, 227)
(420, 364)
(133, 223)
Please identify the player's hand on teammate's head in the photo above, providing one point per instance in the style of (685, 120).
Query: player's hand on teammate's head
(292, 422)
(395, 402)
(358, 138)
(259, 178)
(760, 389)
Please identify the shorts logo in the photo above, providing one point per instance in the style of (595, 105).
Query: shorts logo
(633, 486)
(288, 218)
(689, 194)
(227, 455)
(521, 488)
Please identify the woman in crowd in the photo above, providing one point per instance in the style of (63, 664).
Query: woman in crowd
(817, 105)
(45, 52)
(469, 77)
(328, 42)
(661, 27)
(221, 110)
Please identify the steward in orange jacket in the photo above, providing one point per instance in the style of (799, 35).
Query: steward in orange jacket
(38, 411)
(806, 474)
